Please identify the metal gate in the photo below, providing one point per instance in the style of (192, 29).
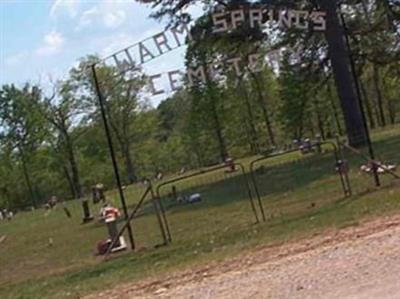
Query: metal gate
(208, 201)
(294, 182)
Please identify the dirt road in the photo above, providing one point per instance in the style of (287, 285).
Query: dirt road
(359, 262)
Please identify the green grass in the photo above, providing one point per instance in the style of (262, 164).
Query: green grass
(301, 196)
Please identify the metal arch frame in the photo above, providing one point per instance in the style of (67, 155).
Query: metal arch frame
(343, 178)
(157, 202)
(203, 171)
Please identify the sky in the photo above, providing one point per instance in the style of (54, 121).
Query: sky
(40, 40)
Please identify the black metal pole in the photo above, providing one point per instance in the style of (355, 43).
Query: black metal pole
(112, 154)
(357, 86)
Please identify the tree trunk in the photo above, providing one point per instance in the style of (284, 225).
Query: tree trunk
(392, 111)
(27, 178)
(378, 94)
(264, 110)
(250, 119)
(69, 180)
(198, 154)
(124, 143)
(130, 169)
(74, 166)
(367, 106)
(391, 23)
(223, 152)
(345, 84)
(125, 147)
(335, 112)
(320, 122)
(7, 197)
(375, 74)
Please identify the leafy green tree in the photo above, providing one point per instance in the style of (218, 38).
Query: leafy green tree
(124, 101)
(23, 128)
(294, 100)
(63, 111)
(334, 48)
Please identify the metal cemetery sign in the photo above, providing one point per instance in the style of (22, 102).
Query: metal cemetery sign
(223, 21)
(149, 48)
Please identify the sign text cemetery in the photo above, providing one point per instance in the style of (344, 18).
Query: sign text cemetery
(223, 21)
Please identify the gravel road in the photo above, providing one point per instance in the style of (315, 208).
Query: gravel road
(358, 262)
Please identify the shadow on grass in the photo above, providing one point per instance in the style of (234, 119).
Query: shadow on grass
(184, 253)
(289, 189)
(218, 188)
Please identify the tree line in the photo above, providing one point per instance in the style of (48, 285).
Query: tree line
(53, 142)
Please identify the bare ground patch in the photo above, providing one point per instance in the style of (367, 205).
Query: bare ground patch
(354, 262)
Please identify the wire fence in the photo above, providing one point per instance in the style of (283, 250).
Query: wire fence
(220, 203)
(298, 181)
(366, 174)
(212, 201)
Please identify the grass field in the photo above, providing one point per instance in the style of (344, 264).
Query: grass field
(301, 196)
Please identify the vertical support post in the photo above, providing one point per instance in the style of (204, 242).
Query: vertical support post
(161, 220)
(343, 165)
(112, 154)
(257, 192)
(162, 209)
(360, 103)
(246, 181)
(87, 217)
